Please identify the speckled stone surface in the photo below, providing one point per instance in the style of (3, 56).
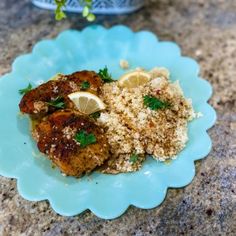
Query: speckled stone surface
(206, 31)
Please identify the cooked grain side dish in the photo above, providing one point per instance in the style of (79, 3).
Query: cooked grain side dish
(134, 128)
(87, 121)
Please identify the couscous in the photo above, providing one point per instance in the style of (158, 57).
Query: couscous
(135, 129)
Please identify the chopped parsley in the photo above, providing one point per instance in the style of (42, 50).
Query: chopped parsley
(133, 158)
(85, 85)
(57, 102)
(154, 103)
(84, 138)
(95, 115)
(105, 76)
(25, 90)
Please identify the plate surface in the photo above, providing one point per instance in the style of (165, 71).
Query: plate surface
(107, 196)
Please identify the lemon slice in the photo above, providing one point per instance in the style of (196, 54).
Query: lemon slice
(86, 103)
(134, 79)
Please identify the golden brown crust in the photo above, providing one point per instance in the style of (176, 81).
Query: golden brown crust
(35, 102)
(55, 137)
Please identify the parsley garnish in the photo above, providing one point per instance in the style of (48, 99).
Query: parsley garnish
(95, 115)
(105, 76)
(133, 158)
(57, 102)
(154, 103)
(85, 85)
(84, 138)
(25, 90)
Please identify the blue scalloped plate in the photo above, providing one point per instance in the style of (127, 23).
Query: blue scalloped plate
(107, 196)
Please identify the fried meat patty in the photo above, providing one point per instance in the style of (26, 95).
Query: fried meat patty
(36, 102)
(55, 136)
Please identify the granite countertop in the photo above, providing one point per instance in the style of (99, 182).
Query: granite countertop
(206, 31)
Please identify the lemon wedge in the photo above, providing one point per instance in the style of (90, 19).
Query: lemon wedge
(86, 103)
(134, 79)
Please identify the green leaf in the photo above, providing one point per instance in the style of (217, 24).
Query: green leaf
(95, 115)
(58, 103)
(85, 138)
(133, 158)
(105, 76)
(85, 85)
(85, 11)
(88, 3)
(59, 14)
(154, 103)
(91, 17)
(25, 90)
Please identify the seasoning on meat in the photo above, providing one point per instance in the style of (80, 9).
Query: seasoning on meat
(36, 102)
(56, 137)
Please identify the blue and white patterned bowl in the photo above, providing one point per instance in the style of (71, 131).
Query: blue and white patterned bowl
(99, 6)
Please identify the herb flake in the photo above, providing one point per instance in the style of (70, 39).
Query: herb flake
(95, 115)
(105, 75)
(133, 158)
(85, 85)
(57, 103)
(154, 103)
(85, 138)
(25, 90)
